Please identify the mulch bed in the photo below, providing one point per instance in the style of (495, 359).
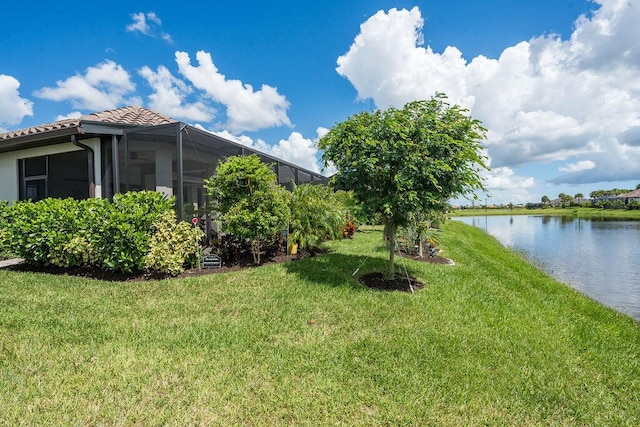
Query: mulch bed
(398, 283)
(401, 283)
(371, 280)
(111, 276)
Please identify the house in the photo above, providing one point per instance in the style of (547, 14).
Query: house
(620, 200)
(125, 149)
(632, 196)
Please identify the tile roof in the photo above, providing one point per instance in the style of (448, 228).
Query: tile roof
(634, 193)
(61, 124)
(125, 115)
(129, 116)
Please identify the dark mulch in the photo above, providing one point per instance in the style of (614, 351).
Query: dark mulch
(372, 280)
(402, 283)
(427, 256)
(111, 276)
(399, 283)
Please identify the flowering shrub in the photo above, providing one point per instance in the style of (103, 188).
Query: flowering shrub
(349, 230)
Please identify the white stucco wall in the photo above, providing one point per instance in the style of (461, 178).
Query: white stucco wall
(9, 165)
(94, 143)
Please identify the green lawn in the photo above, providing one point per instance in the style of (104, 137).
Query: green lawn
(489, 341)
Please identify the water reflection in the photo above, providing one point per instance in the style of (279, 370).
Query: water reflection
(599, 257)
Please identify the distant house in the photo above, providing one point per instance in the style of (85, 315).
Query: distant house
(632, 196)
(126, 149)
(606, 198)
(580, 201)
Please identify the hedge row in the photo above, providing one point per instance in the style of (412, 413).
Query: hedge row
(135, 232)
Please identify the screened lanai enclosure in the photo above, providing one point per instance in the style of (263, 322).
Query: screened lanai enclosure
(175, 159)
(124, 149)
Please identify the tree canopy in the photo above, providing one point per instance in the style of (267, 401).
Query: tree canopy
(399, 161)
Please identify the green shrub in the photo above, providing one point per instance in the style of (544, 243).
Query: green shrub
(614, 204)
(56, 232)
(317, 214)
(67, 233)
(123, 236)
(633, 205)
(39, 231)
(75, 238)
(172, 245)
(353, 209)
(4, 250)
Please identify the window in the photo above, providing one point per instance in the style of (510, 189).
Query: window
(59, 175)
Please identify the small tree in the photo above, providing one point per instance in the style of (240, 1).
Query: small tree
(252, 204)
(400, 161)
(421, 229)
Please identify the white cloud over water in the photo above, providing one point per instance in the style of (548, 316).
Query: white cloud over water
(543, 100)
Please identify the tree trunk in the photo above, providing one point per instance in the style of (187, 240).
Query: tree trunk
(392, 230)
(255, 250)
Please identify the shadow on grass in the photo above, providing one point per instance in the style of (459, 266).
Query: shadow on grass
(336, 269)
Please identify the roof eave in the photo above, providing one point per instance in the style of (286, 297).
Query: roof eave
(39, 139)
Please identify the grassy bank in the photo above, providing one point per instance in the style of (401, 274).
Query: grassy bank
(489, 340)
(577, 211)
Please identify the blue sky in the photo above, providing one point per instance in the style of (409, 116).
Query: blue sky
(557, 82)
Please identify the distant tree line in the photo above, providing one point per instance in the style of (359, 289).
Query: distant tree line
(566, 200)
(612, 192)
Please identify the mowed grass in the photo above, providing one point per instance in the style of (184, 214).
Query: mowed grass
(488, 341)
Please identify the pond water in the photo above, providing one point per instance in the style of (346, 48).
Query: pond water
(598, 257)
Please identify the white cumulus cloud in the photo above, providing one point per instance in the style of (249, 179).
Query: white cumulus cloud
(247, 109)
(105, 86)
(71, 115)
(582, 165)
(169, 96)
(13, 108)
(387, 63)
(505, 186)
(543, 100)
(139, 23)
(505, 178)
(295, 149)
(148, 24)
